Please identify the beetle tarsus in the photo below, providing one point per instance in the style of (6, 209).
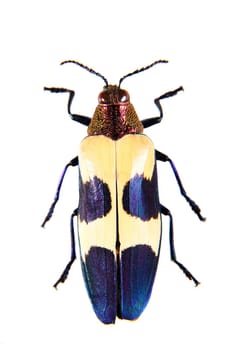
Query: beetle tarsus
(187, 273)
(194, 206)
(170, 93)
(64, 274)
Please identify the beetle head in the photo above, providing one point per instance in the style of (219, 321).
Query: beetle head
(113, 95)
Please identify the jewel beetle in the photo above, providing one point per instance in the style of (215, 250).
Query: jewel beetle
(119, 212)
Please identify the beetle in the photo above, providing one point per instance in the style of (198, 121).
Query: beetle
(119, 212)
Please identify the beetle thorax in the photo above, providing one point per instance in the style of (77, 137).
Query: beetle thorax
(114, 116)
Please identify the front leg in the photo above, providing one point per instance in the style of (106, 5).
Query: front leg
(152, 121)
(76, 117)
(164, 158)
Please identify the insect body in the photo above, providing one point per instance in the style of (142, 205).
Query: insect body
(119, 213)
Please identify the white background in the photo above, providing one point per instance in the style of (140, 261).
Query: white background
(37, 138)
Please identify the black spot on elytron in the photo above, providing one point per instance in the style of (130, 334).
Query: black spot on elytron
(99, 271)
(140, 197)
(94, 199)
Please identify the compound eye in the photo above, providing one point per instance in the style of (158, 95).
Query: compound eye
(123, 96)
(112, 95)
(103, 97)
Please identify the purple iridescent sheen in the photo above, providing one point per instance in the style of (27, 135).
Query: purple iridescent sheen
(138, 266)
(99, 271)
(140, 197)
(123, 288)
(95, 199)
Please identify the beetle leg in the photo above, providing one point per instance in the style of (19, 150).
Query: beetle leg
(152, 121)
(164, 158)
(73, 162)
(167, 212)
(76, 117)
(65, 273)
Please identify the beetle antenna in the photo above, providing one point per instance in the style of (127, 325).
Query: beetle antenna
(141, 70)
(88, 69)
